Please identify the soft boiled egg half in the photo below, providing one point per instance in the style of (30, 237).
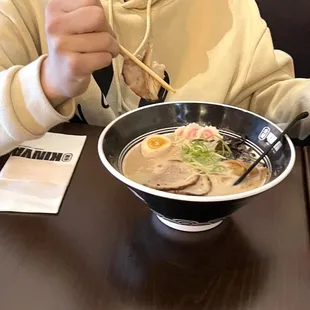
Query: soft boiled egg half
(154, 146)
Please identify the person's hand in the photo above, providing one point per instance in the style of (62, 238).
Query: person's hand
(80, 41)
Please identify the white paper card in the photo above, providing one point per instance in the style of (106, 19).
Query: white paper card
(38, 172)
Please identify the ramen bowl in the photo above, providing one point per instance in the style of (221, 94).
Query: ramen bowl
(194, 213)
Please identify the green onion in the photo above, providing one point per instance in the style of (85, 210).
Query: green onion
(206, 156)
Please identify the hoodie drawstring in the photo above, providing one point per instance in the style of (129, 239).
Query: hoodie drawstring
(116, 64)
(148, 28)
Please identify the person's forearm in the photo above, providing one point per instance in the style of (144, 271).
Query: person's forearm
(54, 97)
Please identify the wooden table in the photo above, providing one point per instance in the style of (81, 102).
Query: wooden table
(106, 251)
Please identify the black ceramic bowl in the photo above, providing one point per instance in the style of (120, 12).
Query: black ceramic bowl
(191, 213)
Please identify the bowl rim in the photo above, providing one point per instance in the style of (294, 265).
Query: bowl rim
(188, 198)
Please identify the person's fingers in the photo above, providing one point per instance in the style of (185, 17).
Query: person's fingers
(81, 65)
(88, 43)
(83, 20)
(80, 41)
(59, 6)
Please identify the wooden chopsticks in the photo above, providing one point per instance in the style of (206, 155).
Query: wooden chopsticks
(147, 69)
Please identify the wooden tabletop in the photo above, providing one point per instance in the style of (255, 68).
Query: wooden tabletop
(106, 251)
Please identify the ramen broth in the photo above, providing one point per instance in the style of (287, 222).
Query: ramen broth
(194, 160)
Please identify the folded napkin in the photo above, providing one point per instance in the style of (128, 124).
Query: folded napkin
(35, 177)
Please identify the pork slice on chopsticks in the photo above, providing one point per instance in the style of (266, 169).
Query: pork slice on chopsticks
(139, 81)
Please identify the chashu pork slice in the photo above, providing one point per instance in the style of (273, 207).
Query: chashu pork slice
(139, 81)
(201, 188)
(172, 175)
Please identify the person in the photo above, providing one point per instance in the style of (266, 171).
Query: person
(66, 64)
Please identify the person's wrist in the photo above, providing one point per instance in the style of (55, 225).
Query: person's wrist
(53, 96)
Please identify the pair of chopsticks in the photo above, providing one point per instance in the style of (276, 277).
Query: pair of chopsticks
(147, 69)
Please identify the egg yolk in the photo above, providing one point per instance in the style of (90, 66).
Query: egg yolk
(156, 142)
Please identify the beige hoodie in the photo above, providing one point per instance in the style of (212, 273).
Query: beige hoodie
(219, 51)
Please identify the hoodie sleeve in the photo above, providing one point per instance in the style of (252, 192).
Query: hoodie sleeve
(25, 112)
(270, 87)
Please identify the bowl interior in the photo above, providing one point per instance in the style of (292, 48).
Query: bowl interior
(256, 131)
